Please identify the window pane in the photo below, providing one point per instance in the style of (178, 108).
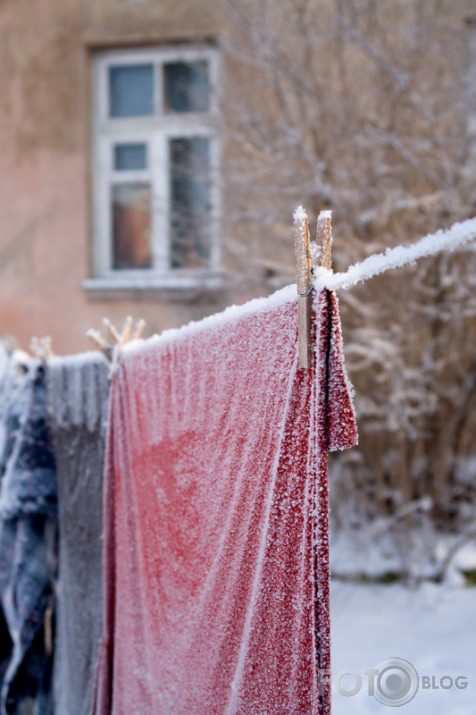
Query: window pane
(187, 87)
(189, 202)
(131, 226)
(131, 91)
(130, 157)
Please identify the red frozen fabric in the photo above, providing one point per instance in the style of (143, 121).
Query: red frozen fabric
(216, 517)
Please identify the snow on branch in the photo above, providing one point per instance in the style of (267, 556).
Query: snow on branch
(449, 240)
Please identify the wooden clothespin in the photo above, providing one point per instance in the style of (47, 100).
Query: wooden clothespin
(304, 265)
(324, 238)
(115, 338)
(42, 348)
(302, 245)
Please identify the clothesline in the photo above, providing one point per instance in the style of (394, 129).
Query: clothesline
(443, 240)
(456, 237)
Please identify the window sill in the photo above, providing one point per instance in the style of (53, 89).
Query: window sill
(178, 287)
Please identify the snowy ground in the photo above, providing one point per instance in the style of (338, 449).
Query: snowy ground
(433, 627)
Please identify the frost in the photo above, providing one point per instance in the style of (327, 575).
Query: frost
(217, 585)
(455, 237)
(4, 375)
(227, 318)
(78, 401)
(76, 393)
(299, 216)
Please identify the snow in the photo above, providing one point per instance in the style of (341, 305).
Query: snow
(230, 316)
(208, 593)
(432, 627)
(77, 360)
(455, 237)
(383, 547)
(77, 393)
(3, 362)
(299, 215)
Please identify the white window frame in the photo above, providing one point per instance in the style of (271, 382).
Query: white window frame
(154, 131)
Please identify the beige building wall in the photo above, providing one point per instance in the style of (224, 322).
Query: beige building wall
(46, 51)
(46, 48)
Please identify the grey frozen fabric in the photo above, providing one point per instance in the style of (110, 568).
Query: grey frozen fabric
(4, 384)
(28, 508)
(5, 641)
(78, 391)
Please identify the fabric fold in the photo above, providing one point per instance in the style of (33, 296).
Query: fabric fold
(216, 565)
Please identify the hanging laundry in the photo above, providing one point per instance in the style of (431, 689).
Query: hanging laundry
(13, 370)
(28, 505)
(78, 397)
(5, 366)
(215, 506)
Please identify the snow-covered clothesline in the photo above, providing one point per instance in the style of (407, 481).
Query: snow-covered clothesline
(449, 240)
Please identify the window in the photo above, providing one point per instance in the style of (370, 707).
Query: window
(155, 167)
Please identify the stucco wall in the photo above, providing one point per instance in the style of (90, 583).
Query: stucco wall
(46, 48)
(45, 215)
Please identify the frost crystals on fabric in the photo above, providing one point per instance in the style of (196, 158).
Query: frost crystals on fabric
(216, 568)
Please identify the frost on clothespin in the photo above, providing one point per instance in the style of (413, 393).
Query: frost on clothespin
(324, 239)
(302, 246)
(112, 344)
(42, 349)
(322, 249)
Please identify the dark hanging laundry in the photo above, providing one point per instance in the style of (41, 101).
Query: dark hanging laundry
(28, 539)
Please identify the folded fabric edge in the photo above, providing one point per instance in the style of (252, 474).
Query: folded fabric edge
(229, 316)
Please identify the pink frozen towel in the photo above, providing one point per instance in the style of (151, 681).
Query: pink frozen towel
(216, 516)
